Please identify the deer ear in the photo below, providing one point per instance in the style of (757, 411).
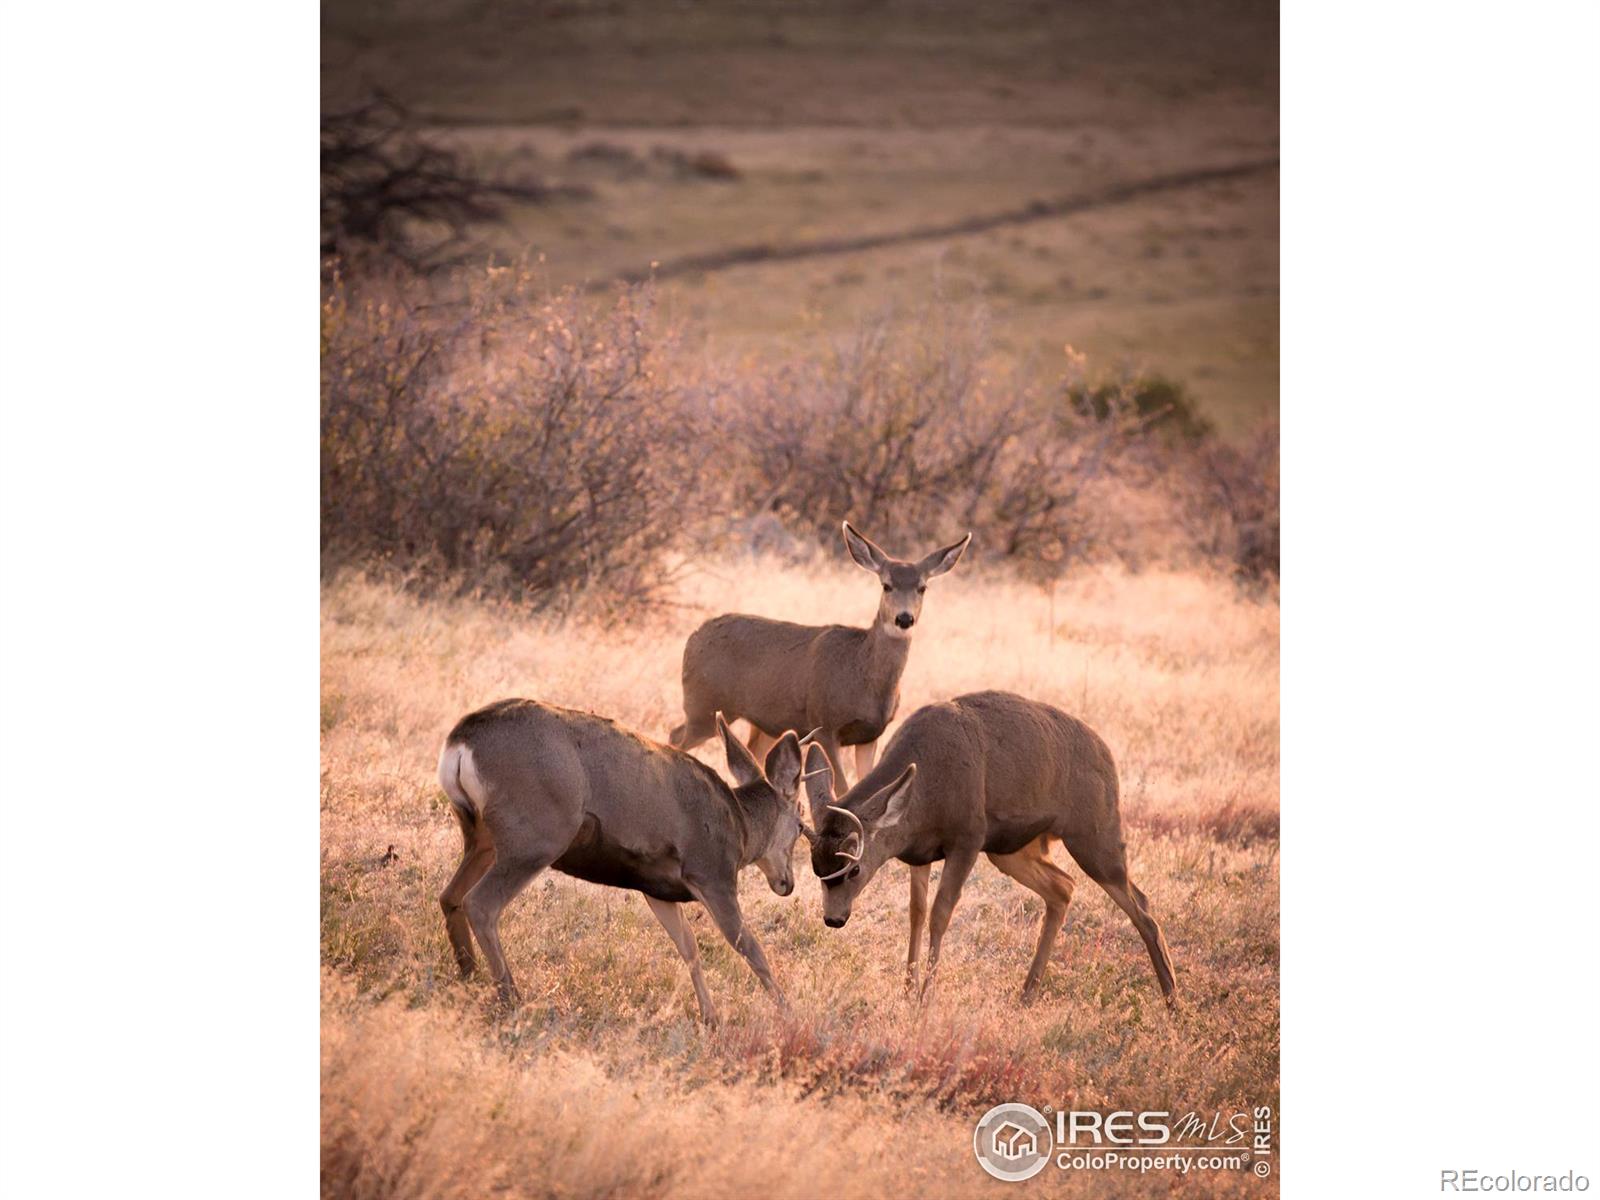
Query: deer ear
(867, 556)
(741, 763)
(941, 561)
(888, 804)
(783, 765)
(819, 782)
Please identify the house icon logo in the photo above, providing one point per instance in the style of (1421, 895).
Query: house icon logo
(1012, 1142)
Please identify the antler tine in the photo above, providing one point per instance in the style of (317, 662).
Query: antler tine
(825, 769)
(811, 737)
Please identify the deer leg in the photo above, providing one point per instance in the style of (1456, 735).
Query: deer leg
(957, 866)
(866, 755)
(1132, 901)
(1032, 868)
(488, 899)
(723, 905)
(671, 917)
(696, 728)
(1107, 867)
(476, 859)
(919, 916)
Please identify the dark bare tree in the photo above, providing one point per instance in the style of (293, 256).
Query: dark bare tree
(391, 191)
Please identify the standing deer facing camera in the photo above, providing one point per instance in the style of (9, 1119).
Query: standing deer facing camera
(779, 675)
(536, 786)
(986, 773)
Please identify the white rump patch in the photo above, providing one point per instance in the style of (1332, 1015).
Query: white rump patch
(458, 776)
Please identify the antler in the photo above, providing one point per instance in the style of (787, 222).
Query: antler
(825, 769)
(855, 842)
(858, 835)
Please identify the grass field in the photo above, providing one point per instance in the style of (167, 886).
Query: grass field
(604, 1084)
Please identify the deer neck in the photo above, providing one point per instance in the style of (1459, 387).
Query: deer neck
(754, 821)
(884, 654)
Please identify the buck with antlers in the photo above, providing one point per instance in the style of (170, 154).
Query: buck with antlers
(987, 773)
(779, 675)
(536, 786)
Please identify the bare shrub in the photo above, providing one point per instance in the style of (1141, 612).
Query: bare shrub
(390, 192)
(1227, 500)
(909, 430)
(699, 164)
(531, 445)
(1166, 405)
(526, 443)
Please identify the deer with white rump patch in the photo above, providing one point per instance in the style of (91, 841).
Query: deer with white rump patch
(987, 773)
(536, 786)
(779, 675)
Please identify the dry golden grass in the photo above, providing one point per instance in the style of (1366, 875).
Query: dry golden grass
(603, 1084)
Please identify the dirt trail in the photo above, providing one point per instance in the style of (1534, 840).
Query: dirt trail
(1039, 210)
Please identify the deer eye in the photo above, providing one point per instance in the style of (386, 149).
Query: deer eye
(854, 871)
(921, 587)
(888, 587)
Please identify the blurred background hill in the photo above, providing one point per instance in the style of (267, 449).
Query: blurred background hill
(1098, 174)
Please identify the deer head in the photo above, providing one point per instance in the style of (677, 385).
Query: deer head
(903, 582)
(768, 796)
(846, 848)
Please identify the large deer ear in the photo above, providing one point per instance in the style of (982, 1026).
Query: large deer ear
(819, 782)
(941, 561)
(741, 763)
(867, 556)
(888, 804)
(783, 765)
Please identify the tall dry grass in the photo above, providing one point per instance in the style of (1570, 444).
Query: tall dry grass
(603, 1083)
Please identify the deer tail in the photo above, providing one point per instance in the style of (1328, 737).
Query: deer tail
(459, 779)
